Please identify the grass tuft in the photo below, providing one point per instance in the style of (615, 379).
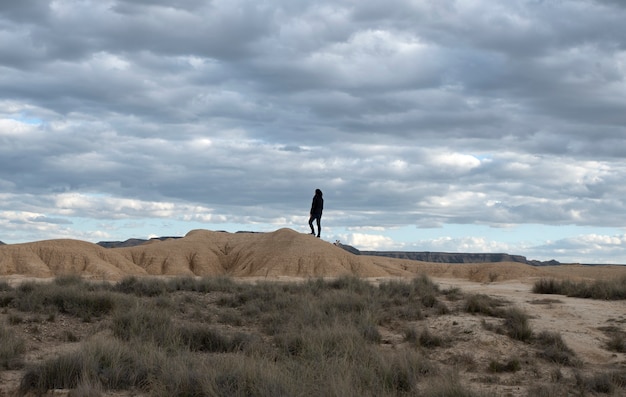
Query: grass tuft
(12, 347)
(516, 324)
(553, 348)
(598, 289)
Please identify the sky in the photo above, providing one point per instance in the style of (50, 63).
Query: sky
(449, 125)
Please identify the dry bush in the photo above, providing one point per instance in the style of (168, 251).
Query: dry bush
(617, 339)
(483, 304)
(512, 365)
(516, 324)
(598, 289)
(142, 286)
(68, 295)
(552, 348)
(12, 347)
(110, 363)
(429, 340)
(617, 343)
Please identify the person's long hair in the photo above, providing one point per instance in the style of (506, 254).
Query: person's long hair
(318, 192)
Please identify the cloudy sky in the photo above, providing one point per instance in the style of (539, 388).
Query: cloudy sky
(449, 125)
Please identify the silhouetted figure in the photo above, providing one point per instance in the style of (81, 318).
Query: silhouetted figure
(316, 212)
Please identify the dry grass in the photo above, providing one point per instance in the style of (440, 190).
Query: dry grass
(216, 337)
(598, 289)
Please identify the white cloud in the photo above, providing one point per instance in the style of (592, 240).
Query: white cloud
(404, 113)
(370, 242)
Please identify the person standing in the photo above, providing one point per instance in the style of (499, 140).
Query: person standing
(316, 212)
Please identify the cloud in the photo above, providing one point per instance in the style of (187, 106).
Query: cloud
(404, 113)
(369, 242)
(591, 248)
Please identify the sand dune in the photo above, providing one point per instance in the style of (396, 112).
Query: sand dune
(283, 253)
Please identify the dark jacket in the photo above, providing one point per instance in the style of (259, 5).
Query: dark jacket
(317, 206)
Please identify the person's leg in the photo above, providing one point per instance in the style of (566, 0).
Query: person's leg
(311, 224)
(319, 225)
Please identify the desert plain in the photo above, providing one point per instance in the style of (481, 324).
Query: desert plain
(472, 346)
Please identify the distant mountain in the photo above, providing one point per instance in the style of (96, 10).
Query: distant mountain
(132, 242)
(450, 257)
(1, 243)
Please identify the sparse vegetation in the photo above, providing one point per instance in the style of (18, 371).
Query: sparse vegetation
(483, 304)
(602, 382)
(515, 320)
(553, 348)
(598, 289)
(11, 349)
(512, 365)
(516, 324)
(217, 337)
(617, 339)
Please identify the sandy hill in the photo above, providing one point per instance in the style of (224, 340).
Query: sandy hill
(283, 253)
(60, 257)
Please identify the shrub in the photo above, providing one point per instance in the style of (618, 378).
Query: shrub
(67, 295)
(11, 349)
(553, 348)
(617, 343)
(351, 284)
(142, 287)
(516, 324)
(549, 286)
(483, 304)
(512, 365)
(598, 289)
(107, 362)
(400, 374)
(5, 286)
(202, 338)
(428, 339)
(63, 372)
(144, 323)
(598, 383)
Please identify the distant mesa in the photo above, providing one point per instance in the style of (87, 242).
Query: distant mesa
(132, 242)
(450, 257)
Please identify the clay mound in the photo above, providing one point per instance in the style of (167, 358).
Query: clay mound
(64, 257)
(284, 252)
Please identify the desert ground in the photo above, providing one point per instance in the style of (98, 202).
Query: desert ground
(286, 256)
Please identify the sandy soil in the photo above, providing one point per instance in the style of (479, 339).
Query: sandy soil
(577, 320)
